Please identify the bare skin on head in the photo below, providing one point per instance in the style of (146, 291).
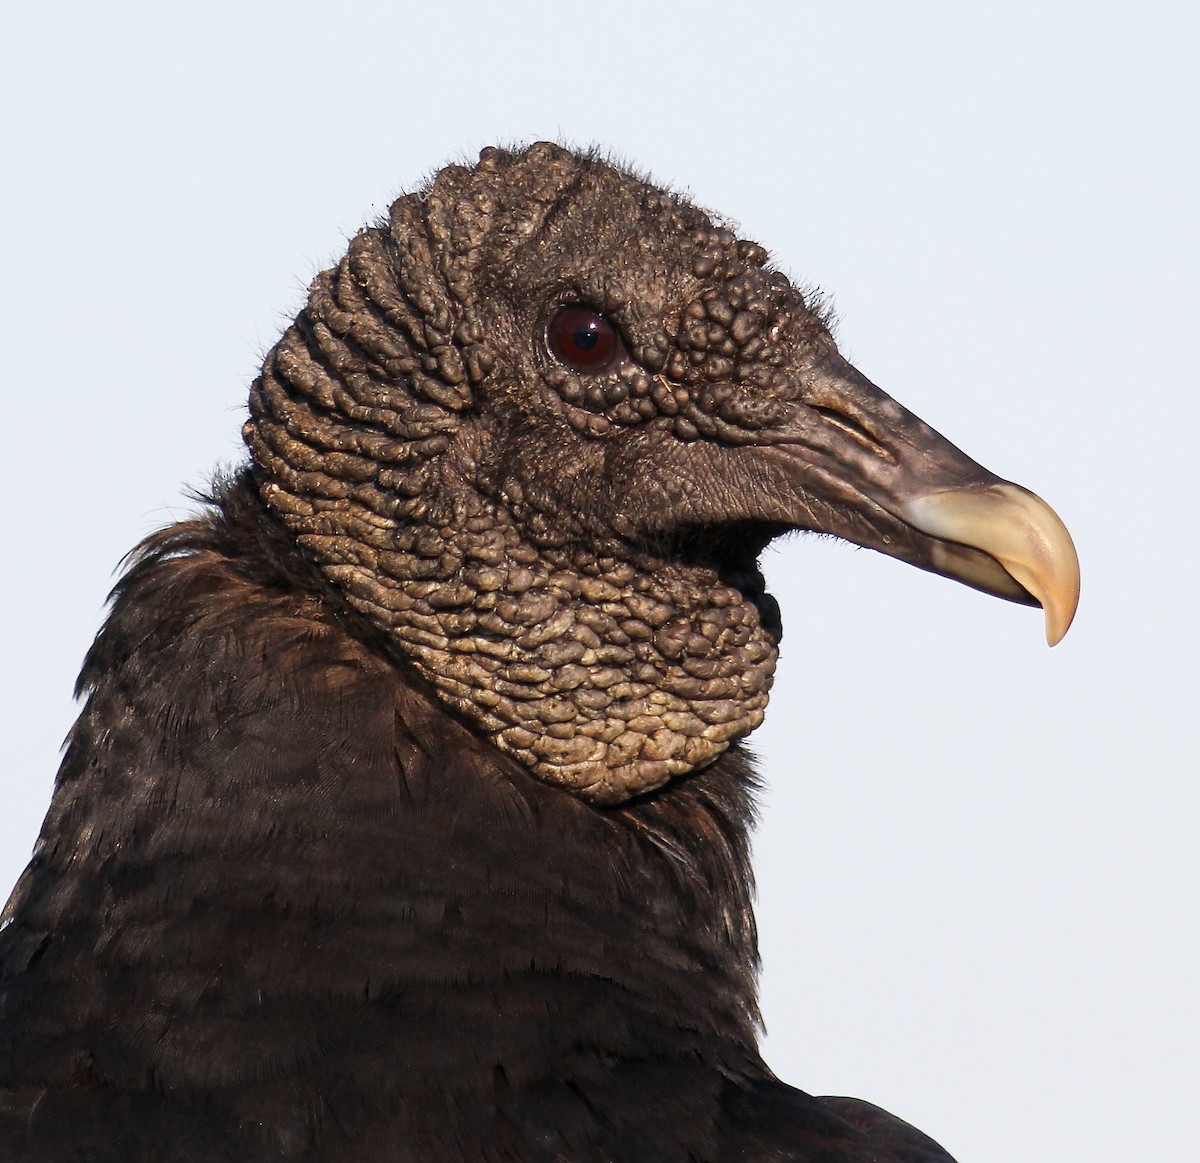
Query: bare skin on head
(539, 424)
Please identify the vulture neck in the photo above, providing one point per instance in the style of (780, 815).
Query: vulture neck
(598, 665)
(321, 829)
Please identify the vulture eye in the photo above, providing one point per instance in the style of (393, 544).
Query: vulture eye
(582, 339)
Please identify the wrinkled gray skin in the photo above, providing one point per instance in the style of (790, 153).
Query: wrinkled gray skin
(570, 558)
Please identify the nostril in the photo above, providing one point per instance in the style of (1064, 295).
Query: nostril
(851, 427)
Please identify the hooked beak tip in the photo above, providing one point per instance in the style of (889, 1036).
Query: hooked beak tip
(1017, 530)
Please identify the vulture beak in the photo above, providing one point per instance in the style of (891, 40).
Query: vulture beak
(875, 474)
(974, 530)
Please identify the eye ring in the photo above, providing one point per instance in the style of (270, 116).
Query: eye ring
(582, 339)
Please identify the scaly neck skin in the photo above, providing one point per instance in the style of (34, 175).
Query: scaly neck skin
(600, 668)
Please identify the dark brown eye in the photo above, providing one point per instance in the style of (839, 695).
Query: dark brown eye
(584, 341)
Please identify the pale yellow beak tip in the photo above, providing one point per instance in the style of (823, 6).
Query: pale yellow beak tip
(1018, 530)
(1057, 625)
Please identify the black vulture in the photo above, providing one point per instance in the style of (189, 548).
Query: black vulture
(406, 817)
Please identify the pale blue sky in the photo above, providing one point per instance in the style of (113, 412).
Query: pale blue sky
(978, 859)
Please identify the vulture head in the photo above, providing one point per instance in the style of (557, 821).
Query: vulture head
(538, 425)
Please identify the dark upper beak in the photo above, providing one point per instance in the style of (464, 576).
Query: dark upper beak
(860, 466)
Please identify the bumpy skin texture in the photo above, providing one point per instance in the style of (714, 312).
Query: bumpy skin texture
(474, 496)
(405, 818)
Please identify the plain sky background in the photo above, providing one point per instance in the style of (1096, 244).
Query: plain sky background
(978, 859)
